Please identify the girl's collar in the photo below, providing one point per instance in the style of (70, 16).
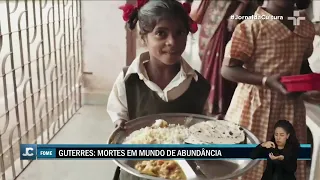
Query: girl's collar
(137, 67)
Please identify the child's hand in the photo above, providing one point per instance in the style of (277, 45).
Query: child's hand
(312, 97)
(120, 124)
(273, 82)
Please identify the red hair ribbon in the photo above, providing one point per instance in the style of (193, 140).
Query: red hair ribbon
(128, 9)
(193, 25)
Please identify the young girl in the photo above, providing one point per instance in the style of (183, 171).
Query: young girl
(158, 81)
(283, 150)
(259, 52)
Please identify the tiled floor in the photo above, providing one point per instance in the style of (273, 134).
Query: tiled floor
(90, 125)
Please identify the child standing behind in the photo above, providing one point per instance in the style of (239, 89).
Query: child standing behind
(259, 52)
(160, 80)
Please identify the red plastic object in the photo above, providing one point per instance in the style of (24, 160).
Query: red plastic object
(302, 83)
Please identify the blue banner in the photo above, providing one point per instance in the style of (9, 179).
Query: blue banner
(146, 151)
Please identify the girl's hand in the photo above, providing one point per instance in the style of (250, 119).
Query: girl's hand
(268, 144)
(312, 97)
(120, 124)
(273, 82)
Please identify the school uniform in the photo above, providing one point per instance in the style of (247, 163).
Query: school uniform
(134, 95)
(268, 47)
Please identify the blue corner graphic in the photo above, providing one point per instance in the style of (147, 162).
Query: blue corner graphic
(28, 151)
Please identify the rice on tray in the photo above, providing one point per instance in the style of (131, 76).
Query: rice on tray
(171, 134)
(209, 132)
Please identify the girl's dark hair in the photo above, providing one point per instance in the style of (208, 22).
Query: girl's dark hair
(302, 4)
(156, 10)
(292, 141)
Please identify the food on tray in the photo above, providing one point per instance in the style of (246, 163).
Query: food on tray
(160, 123)
(167, 169)
(208, 132)
(160, 132)
(216, 132)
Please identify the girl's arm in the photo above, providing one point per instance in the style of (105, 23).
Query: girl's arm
(117, 102)
(237, 73)
(240, 51)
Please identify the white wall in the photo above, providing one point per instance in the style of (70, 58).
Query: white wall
(191, 54)
(104, 47)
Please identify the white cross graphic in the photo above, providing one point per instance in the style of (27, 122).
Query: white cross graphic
(296, 18)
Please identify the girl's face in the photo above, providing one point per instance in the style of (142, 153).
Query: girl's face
(281, 136)
(167, 41)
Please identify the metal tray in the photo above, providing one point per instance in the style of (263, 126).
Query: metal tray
(204, 170)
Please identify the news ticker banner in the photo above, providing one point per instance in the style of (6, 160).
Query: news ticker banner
(145, 151)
